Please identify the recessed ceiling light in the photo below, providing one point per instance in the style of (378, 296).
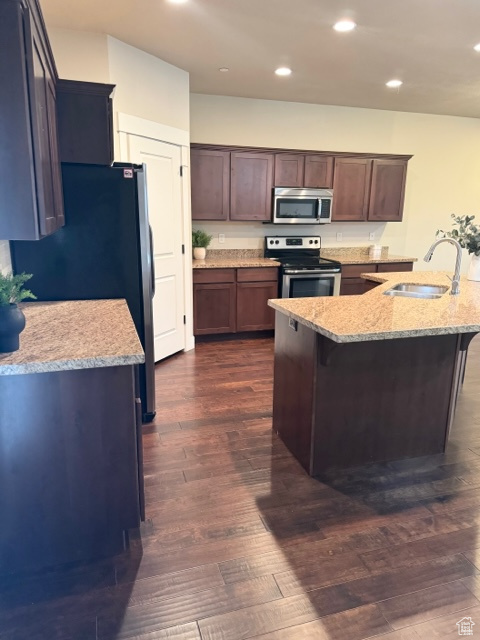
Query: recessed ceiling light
(344, 25)
(224, 69)
(394, 84)
(283, 71)
(477, 47)
(177, 1)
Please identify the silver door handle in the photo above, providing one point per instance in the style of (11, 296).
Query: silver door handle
(152, 260)
(309, 272)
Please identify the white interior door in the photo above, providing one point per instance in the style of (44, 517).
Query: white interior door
(164, 194)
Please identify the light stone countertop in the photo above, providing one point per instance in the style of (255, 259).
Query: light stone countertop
(233, 263)
(346, 259)
(242, 258)
(75, 334)
(374, 316)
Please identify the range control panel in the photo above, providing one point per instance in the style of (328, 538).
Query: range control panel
(292, 242)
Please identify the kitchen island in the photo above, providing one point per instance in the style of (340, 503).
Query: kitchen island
(70, 465)
(370, 378)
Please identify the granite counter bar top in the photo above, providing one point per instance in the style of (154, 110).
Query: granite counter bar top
(345, 259)
(374, 316)
(233, 263)
(360, 255)
(75, 334)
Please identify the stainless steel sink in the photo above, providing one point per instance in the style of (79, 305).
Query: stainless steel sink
(426, 291)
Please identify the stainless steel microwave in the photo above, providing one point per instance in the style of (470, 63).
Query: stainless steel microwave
(302, 206)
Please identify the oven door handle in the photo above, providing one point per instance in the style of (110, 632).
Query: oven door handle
(307, 272)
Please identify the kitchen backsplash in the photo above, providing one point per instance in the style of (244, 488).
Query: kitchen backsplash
(235, 253)
(334, 253)
(250, 235)
(354, 253)
(5, 264)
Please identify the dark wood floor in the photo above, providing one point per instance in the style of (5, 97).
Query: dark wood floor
(240, 543)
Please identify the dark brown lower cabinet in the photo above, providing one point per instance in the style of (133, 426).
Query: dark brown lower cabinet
(253, 312)
(352, 284)
(69, 464)
(214, 308)
(371, 284)
(233, 300)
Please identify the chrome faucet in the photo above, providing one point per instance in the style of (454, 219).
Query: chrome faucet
(456, 276)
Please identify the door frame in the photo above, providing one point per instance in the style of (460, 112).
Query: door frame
(135, 126)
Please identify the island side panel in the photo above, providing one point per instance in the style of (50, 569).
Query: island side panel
(382, 400)
(293, 387)
(68, 466)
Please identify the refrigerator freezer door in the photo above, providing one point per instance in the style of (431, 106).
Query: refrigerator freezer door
(147, 278)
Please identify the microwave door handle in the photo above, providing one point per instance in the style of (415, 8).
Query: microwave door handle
(319, 208)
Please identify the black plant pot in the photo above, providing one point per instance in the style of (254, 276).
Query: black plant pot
(12, 323)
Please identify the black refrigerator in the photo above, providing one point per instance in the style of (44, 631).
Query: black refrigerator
(103, 251)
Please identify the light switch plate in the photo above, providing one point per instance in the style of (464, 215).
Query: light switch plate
(339, 237)
(221, 238)
(371, 235)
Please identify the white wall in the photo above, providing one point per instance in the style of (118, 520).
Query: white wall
(147, 87)
(80, 55)
(442, 176)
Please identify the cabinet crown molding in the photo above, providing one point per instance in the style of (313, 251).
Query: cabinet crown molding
(276, 150)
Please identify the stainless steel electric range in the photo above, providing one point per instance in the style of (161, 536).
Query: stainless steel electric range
(304, 274)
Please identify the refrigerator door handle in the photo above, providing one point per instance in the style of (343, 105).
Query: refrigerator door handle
(152, 259)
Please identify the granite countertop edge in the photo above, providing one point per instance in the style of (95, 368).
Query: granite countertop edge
(386, 260)
(349, 319)
(74, 334)
(371, 336)
(245, 263)
(70, 365)
(234, 263)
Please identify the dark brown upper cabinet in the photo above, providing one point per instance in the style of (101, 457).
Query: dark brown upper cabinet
(31, 199)
(289, 170)
(85, 122)
(251, 186)
(351, 184)
(300, 170)
(235, 183)
(210, 175)
(387, 190)
(318, 172)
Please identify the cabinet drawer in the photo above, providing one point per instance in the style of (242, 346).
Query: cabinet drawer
(395, 266)
(211, 276)
(260, 274)
(356, 270)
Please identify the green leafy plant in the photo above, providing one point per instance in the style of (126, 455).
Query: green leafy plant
(200, 238)
(467, 234)
(11, 288)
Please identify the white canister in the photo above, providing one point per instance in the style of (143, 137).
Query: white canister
(375, 251)
(474, 269)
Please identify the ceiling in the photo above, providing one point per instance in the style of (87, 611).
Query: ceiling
(426, 43)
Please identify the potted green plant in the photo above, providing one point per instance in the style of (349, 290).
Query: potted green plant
(468, 235)
(12, 320)
(200, 242)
